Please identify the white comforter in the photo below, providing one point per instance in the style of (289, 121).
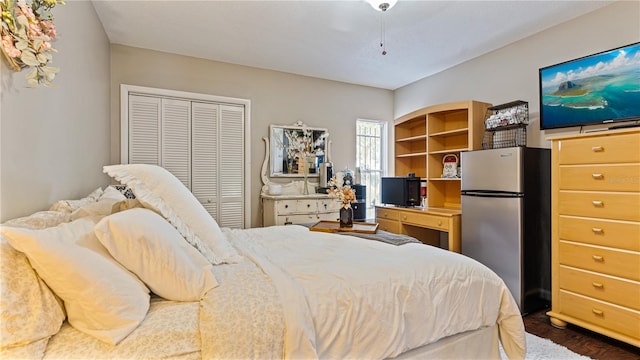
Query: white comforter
(347, 297)
(303, 295)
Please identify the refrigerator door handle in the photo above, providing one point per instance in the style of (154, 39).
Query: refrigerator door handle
(492, 194)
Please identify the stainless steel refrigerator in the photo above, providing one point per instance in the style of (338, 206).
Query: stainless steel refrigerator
(506, 220)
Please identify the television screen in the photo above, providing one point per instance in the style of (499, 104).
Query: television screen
(595, 89)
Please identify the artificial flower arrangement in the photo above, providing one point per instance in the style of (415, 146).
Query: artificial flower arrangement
(345, 193)
(27, 33)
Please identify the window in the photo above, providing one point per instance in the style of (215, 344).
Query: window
(370, 158)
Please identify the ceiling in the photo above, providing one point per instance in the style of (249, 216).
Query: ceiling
(336, 40)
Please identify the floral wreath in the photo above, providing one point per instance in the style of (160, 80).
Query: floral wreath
(27, 33)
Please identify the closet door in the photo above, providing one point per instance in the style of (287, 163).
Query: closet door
(144, 130)
(204, 155)
(217, 158)
(200, 142)
(231, 167)
(175, 139)
(160, 133)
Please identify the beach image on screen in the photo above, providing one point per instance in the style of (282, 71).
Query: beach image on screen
(596, 88)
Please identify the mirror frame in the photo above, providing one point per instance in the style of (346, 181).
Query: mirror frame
(278, 152)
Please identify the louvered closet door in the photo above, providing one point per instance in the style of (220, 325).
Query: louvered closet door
(232, 166)
(144, 134)
(201, 143)
(217, 158)
(175, 139)
(204, 157)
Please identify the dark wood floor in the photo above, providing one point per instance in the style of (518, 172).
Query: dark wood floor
(579, 340)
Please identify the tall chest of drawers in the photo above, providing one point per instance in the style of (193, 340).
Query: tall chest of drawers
(595, 253)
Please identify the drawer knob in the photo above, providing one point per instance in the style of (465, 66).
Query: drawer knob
(597, 312)
(404, 218)
(597, 230)
(598, 258)
(597, 203)
(597, 285)
(439, 222)
(286, 206)
(597, 176)
(308, 205)
(597, 148)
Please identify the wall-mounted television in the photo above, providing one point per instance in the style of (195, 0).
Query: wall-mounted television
(595, 89)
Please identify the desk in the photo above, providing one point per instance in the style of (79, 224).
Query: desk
(421, 223)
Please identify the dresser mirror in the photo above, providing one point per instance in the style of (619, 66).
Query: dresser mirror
(295, 146)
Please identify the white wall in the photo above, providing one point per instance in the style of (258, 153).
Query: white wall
(276, 98)
(54, 141)
(511, 73)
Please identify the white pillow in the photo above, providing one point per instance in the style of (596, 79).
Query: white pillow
(146, 244)
(158, 190)
(29, 311)
(101, 297)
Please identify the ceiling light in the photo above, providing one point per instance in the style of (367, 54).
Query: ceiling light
(382, 5)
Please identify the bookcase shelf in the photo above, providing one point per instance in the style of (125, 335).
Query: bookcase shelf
(411, 144)
(425, 136)
(412, 155)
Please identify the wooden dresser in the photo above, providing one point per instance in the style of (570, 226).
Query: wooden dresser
(298, 209)
(595, 261)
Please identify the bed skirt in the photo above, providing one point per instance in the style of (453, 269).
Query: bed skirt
(477, 344)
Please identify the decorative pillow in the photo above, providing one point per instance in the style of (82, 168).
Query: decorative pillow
(71, 205)
(40, 220)
(29, 311)
(101, 297)
(146, 244)
(112, 193)
(101, 207)
(157, 189)
(124, 189)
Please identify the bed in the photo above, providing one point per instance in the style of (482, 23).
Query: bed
(106, 277)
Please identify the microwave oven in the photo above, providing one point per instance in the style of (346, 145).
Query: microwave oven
(401, 191)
